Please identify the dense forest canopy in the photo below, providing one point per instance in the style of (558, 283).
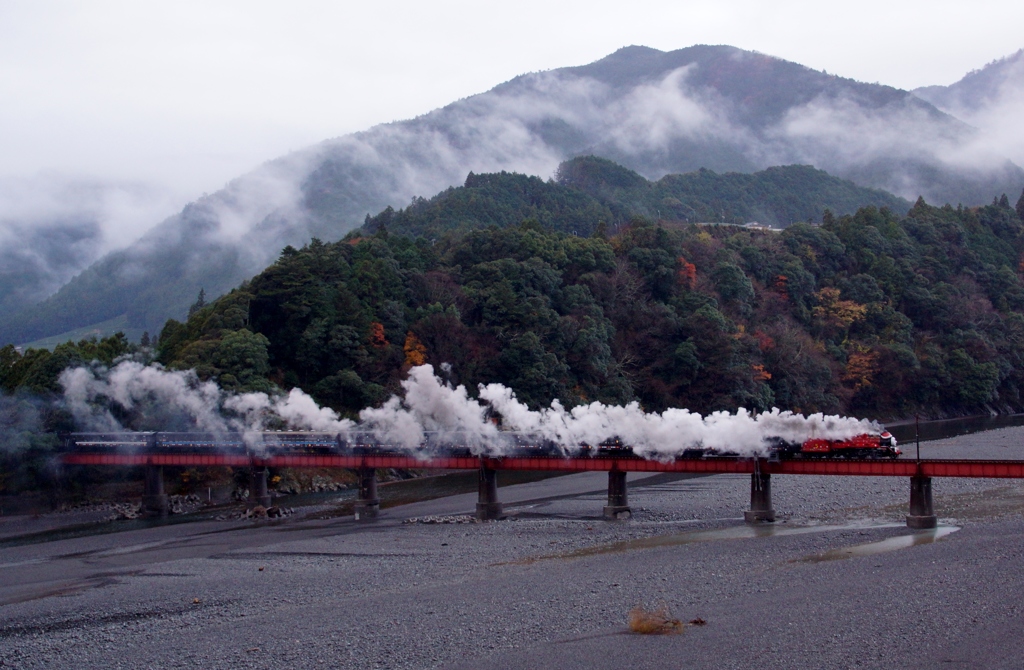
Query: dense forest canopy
(870, 314)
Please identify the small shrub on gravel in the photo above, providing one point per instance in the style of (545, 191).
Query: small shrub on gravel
(653, 622)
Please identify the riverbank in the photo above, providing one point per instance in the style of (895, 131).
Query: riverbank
(551, 586)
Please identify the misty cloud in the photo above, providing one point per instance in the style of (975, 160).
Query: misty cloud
(874, 146)
(992, 100)
(653, 115)
(20, 422)
(53, 226)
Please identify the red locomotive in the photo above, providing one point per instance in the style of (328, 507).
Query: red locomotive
(876, 445)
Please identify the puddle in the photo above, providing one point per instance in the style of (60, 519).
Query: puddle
(133, 548)
(78, 530)
(19, 564)
(693, 537)
(883, 546)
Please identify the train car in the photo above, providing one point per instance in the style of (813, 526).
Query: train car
(528, 445)
(301, 442)
(611, 448)
(867, 445)
(123, 442)
(192, 442)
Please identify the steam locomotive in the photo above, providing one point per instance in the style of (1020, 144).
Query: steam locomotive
(867, 445)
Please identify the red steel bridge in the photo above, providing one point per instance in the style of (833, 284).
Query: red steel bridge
(312, 450)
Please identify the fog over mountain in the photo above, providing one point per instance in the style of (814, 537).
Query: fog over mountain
(656, 112)
(52, 226)
(991, 99)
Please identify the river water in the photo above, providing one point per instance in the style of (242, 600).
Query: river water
(905, 432)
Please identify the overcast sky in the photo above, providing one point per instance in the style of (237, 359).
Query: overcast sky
(187, 94)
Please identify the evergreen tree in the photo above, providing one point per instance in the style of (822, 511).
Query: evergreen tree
(198, 304)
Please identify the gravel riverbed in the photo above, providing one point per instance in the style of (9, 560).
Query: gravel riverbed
(827, 586)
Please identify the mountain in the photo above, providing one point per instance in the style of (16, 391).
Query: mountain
(589, 190)
(991, 99)
(53, 226)
(979, 89)
(657, 113)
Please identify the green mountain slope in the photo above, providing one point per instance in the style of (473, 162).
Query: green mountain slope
(589, 190)
(870, 313)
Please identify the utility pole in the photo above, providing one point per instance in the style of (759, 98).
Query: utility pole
(917, 435)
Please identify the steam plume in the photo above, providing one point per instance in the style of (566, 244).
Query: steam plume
(431, 405)
(671, 432)
(430, 411)
(153, 398)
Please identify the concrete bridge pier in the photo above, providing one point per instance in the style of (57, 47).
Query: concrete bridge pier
(154, 500)
(760, 497)
(367, 504)
(260, 476)
(618, 501)
(487, 506)
(922, 512)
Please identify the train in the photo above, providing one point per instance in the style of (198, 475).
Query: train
(864, 446)
(867, 445)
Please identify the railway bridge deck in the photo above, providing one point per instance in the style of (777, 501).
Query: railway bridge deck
(126, 450)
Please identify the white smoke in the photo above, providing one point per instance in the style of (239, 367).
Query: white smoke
(296, 409)
(667, 434)
(150, 393)
(432, 411)
(430, 405)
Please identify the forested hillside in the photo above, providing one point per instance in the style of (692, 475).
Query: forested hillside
(869, 314)
(590, 190)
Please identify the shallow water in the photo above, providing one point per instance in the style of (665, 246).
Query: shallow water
(103, 527)
(883, 546)
(939, 430)
(768, 530)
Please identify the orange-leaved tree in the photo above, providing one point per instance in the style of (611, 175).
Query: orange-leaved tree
(415, 352)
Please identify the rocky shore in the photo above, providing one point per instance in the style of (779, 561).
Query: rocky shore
(837, 582)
